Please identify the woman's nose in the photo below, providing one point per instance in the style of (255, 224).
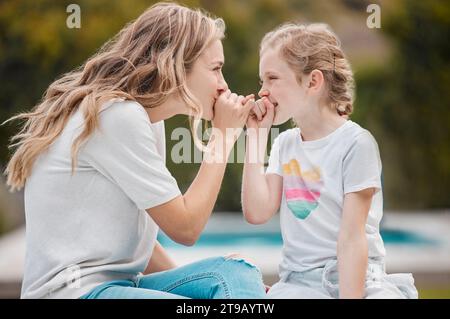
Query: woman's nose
(223, 86)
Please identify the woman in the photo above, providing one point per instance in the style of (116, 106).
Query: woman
(91, 159)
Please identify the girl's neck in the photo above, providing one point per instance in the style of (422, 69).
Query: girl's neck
(319, 124)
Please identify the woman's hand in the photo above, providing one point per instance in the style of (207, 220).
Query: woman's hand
(231, 112)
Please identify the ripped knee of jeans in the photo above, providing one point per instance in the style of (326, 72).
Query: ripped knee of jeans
(239, 257)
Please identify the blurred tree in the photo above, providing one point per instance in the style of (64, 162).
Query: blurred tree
(407, 104)
(36, 47)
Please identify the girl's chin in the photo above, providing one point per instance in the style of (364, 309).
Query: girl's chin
(278, 120)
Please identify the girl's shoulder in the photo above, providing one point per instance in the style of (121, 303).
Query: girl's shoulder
(359, 142)
(349, 136)
(356, 134)
(287, 136)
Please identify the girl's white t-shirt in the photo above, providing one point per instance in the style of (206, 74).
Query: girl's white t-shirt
(316, 176)
(91, 227)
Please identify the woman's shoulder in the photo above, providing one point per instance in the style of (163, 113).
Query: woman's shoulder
(120, 106)
(124, 122)
(122, 113)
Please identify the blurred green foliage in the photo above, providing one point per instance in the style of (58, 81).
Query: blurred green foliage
(406, 104)
(402, 98)
(434, 293)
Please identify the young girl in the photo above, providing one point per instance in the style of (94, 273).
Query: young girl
(323, 176)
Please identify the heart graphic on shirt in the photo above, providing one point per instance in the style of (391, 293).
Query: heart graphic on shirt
(301, 188)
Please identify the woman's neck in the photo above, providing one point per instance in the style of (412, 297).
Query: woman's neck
(166, 110)
(318, 124)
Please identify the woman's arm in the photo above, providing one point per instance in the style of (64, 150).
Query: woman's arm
(352, 249)
(159, 261)
(184, 217)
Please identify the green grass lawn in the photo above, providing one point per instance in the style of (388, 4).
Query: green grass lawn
(434, 293)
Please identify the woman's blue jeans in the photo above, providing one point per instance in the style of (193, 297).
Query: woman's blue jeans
(211, 278)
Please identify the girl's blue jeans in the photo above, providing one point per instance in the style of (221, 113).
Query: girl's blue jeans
(211, 278)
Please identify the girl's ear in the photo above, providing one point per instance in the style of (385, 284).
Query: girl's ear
(316, 80)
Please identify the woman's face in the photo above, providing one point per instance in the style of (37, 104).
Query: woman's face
(280, 86)
(206, 80)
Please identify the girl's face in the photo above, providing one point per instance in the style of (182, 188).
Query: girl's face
(205, 80)
(280, 86)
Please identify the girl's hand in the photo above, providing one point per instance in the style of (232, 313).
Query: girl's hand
(259, 110)
(263, 114)
(231, 111)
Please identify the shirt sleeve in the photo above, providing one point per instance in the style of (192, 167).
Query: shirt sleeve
(274, 166)
(124, 149)
(362, 165)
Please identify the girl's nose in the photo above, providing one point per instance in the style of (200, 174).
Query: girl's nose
(263, 93)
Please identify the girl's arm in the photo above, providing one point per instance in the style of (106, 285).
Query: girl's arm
(261, 193)
(352, 249)
(159, 261)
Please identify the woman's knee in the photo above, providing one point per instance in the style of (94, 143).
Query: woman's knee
(240, 267)
(242, 259)
(242, 276)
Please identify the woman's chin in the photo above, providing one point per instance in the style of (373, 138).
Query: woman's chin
(207, 117)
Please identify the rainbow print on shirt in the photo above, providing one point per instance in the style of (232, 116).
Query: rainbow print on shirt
(301, 188)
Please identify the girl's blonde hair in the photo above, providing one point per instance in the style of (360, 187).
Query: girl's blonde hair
(315, 47)
(147, 61)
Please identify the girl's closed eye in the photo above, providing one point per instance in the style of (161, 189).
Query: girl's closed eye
(270, 78)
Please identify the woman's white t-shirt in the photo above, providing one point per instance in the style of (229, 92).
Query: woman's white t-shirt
(316, 176)
(91, 227)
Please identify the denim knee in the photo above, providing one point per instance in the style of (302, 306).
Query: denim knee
(239, 263)
(243, 277)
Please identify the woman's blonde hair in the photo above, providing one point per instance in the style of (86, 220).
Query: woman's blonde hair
(315, 47)
(147, 61)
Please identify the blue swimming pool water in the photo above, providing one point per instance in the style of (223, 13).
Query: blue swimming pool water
(390, 236)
